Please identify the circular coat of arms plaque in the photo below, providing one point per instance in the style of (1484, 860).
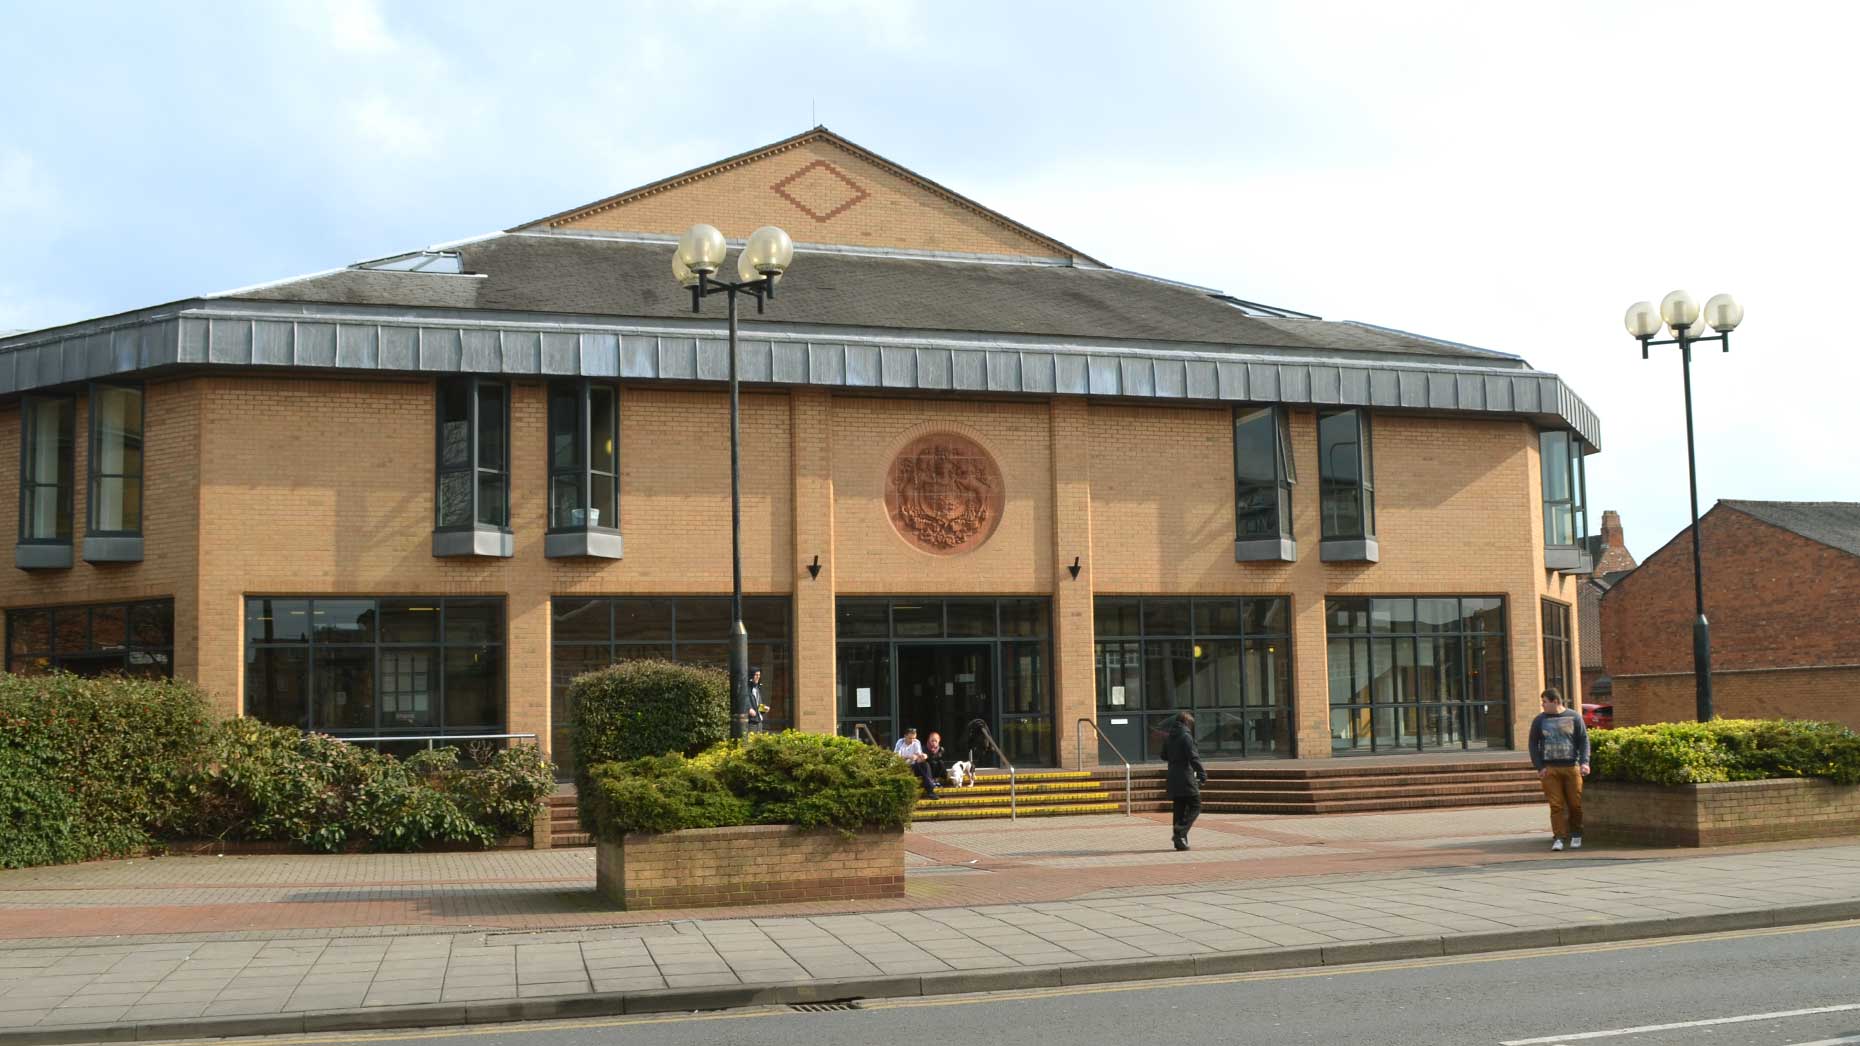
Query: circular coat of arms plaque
(944, 493)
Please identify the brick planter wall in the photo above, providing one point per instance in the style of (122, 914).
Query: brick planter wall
(1719, 814)
(756, 864)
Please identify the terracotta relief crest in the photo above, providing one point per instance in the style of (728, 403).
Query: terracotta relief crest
(944, 493)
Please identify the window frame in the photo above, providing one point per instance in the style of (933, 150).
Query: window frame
(1368, 642)
(1359, 542)
(95, 474)
(1572, 555)
(567, 538)
(65, 485)
(459, 539)
(1281, 543)
(55, 659)
(1559, 650)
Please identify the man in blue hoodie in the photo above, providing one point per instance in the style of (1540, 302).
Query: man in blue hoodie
(1560, 752)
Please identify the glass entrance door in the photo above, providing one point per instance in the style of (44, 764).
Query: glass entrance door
(944, 687)
(940, 664)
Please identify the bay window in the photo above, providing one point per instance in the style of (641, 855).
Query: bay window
(1566, 517)
(471, 495)
(115, 531)
(584, 471)
(1346, 487)
(1263, 478)
(47, 441)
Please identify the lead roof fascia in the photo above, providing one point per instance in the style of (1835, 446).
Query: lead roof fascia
(227, 332)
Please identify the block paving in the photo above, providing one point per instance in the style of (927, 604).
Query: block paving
(1251, 885)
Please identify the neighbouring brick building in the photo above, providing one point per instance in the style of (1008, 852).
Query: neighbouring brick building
(985, 476)
(1782, 593)
(1611, 562)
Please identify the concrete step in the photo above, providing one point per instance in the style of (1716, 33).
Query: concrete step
(934, 813)
(948, 798)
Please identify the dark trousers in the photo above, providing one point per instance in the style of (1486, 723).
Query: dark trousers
(924, 775)
(1187, 808)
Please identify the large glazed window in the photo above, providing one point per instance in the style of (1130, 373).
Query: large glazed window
(115, 460)
(362, 667)
(1263, 478)
(1346, 476)
(1566, 517)
(1413, 673)
(47, 443)
(584, 470)
(131, 639)
(471, 495)
(592, 633)
(1230, 659)
(1558, 670)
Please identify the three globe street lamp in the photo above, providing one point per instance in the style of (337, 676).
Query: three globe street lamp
(759, 267)
(1687, 323)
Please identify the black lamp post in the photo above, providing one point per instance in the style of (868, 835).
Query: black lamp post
(759, 266)
(1687, 322)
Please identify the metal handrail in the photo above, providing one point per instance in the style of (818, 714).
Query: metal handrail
(977, 726)
(430, 738)
(1078, 736)
(870, 737)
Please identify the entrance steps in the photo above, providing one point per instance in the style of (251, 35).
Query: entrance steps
(564, 825)
(1038, 793)
(1340, 787)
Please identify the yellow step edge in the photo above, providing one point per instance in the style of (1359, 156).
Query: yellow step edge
(1034, 811)
(1025, 800)
(1034, 775)
(1037, 787)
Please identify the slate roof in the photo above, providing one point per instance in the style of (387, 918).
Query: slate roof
(561, 273)
(1832, 523)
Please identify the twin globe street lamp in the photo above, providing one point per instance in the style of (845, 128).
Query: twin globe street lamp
(759, 266)
(1687, 322)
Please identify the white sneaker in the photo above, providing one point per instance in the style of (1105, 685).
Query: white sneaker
(1556, 844)
(1575, 842)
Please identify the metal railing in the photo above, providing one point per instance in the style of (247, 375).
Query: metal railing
(1078, 736)
(864, 732)
(381, 739)
(988, 739)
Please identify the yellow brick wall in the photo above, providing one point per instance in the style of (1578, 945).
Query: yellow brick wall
(170, 514)
(896, 211)
(324, 487)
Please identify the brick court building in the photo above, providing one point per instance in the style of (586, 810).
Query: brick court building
(417, 495)
(1782, 593)
(1611, 561)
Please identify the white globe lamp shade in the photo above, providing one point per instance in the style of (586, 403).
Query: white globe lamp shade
(1643, 320)
(746, 270)
(1677, 309)
(682, 272)
(769, 251)
(1723, 313)
(701, 249)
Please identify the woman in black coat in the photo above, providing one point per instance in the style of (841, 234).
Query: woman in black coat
(1186, 775)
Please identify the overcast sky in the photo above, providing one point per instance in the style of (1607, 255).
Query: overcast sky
(1472, 171)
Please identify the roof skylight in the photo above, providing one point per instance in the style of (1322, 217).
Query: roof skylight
(419, 261)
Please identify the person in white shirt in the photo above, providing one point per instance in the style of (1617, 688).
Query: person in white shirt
(912, 752)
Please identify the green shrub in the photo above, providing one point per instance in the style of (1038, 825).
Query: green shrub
(277, 783)
(1726, 750)
(808, 780)
(642, 708)
(90, 767)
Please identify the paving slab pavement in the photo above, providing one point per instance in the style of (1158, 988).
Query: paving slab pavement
(1404, 885)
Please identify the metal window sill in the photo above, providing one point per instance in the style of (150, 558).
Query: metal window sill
(588, 542)
(493, 542)
(113, 548)
(1567, 559)
(39, 555)
(1266, 550)
(1352, 550)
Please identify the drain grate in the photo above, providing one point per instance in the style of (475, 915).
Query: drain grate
(825, 1007)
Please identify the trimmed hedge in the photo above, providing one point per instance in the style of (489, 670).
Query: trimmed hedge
(637, 709)
(807, 780)
(1726, 750)
(95, 768)
(89, 767)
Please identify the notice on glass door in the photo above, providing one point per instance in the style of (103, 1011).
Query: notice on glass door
(1117, 696)
(862, 697)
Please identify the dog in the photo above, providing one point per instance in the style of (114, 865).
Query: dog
(962, 773)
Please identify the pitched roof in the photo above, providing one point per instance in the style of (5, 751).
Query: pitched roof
(815, 134)
(1832, 523)
(564, 273)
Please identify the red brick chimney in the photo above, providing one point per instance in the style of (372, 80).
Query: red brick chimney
(1615, 556)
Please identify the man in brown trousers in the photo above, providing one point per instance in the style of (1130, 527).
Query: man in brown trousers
(1560, 752)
